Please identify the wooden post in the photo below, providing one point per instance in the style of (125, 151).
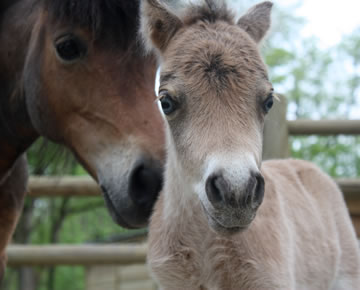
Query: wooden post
(276, 131)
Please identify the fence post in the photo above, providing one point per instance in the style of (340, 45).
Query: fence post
(276, 131)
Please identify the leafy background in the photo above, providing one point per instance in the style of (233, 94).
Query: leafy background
(317, 86)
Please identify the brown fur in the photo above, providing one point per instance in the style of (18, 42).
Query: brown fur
(12, 193)
(301, 237)
(100, 105)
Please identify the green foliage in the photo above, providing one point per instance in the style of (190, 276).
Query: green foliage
(47, 158)
(278, 57)
(71, 278)
(336, 155)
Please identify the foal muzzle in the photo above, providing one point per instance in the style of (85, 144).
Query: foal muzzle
(233, 206)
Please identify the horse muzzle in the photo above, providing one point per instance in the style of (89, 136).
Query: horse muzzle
(131, 197)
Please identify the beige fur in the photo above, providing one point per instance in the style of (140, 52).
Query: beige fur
(301, 236)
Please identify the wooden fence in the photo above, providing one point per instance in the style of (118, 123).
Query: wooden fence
(109, 267)
(132, 273)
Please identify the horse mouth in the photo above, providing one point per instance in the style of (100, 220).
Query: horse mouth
(113, 211)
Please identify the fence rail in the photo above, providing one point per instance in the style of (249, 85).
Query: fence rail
(85, 186)
(324, 127)
(350, 186)
(51, 255)
(66, 186)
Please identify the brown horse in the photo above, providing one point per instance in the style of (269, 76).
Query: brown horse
(214, 225)
(74, 72)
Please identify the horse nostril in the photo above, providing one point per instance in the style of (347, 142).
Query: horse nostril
(258, 195)
(214, 189)
(145, 183)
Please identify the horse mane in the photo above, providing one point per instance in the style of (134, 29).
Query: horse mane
(209, 11)
(5, 4)
(115, 19)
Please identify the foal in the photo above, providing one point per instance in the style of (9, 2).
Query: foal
(214, 226)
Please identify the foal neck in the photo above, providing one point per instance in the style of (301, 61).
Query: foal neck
(179, 198)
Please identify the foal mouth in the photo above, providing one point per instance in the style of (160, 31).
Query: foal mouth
(221, 228)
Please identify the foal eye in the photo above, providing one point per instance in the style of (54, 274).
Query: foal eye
(268, 103)
(70, 48)
(168, 105)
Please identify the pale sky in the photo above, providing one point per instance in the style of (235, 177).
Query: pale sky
(328, 20)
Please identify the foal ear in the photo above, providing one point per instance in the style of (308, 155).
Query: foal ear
(256, 22)
(158, 24)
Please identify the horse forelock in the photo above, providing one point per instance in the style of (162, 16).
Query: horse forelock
(117, 19)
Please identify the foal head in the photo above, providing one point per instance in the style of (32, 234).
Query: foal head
(215, 93)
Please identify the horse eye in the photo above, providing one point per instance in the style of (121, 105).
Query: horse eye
(168, 105)
(70, 48)
(268, 103)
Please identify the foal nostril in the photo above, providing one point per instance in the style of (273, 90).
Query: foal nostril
(214, 189)
(220, 193)
(258, 194)
(145, 183)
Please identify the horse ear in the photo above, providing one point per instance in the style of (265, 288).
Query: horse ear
(256, 22)
(158, 24)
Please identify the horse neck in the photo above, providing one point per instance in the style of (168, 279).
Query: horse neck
(16, 131)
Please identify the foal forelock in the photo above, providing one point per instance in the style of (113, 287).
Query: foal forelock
(215, 62)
